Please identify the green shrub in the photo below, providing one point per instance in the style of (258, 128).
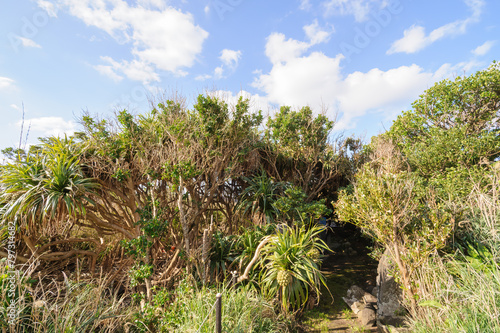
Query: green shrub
(461, 292)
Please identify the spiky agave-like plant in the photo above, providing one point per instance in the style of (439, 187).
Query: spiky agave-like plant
(47, 185)
(290, 266)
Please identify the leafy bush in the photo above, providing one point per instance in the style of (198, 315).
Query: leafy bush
(387, 204)
(221, 254)
(294, 208)
(461, 292)
(453, 124)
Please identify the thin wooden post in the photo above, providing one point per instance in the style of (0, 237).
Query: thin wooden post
(218, 313)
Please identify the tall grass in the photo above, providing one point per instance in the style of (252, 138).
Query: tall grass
(83, 307)
(68, 307)
(243, 311)
(461, 293)
(457, 297)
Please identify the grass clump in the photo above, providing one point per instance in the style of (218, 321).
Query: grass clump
(66, 306)
(243, 310)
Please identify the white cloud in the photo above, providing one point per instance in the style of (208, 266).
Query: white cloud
(484, 48)
(48, 6)
(465, 67)
(305, 4)
(50, 126)
(315, 34)
(15, 107)
(5, 82)
(134, 70)
(219, 72)
(29, 42)
(360, 9)
(203, 77)
(256, 101)
(160, 4)
(230, 58)
(317, 80)
(386, 92)
(415, 39)
(281, 50)
(278, 49)
(161, 37)
(108, 71)
(302, 80)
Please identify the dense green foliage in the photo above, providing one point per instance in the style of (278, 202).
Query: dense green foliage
(460, 292)
(147, 198)
(452, 128)
(414, 198)
(196, 193)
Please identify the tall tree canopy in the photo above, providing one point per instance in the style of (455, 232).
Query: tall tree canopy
(161, 177)
(453, 124)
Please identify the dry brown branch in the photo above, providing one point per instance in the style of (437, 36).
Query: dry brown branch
(254, 259)
(18, 257)
(65, 241)
(56, 256)
(171, 265)
(173, 275)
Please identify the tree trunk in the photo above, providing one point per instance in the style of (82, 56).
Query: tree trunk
(404, 277)
(254, 259)
(182, 217)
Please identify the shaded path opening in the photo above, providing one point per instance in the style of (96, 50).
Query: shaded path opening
(349, 263)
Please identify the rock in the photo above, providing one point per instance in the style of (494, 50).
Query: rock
(356, 307)
(334, 245)
(354, 294)
(397, 321)
(358, 299)
(390, 296)
(369, 298)
(374, 291)
(391, 329)
(367, 317)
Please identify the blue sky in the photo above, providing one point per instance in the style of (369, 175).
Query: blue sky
(360, 61)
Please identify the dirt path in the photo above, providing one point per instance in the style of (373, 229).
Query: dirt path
(349, 264)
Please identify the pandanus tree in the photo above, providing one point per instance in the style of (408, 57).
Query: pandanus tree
(46, 193)
(181, 160)
(290, 266)
(258, 198)
(155, 181)
(169, 168)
